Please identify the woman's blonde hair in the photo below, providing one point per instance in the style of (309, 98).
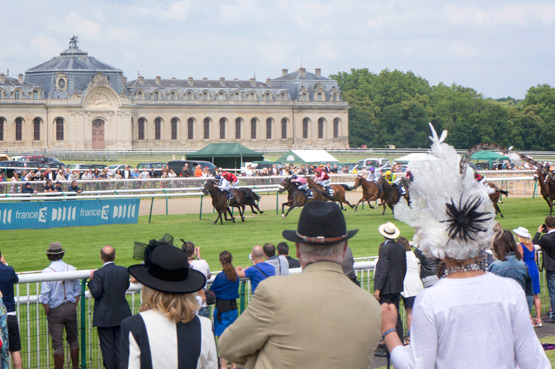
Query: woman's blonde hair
(180, 308)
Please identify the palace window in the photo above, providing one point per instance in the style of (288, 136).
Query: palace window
(35, 95)
(238, 123)
(175, 122)
(172, 95)
(321, 122)
(2, 120)
(158, 129)
(156, 96)
(206, 128)
(269, 128)
(284, 122)
(141, 128)
(36, 129)
(253, 128)
(190, 127)
(305, 127)
(59, 129)
(18, 129)
(222, 128)
(16, 94)
(336, 128)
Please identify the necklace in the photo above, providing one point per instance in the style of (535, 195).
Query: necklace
(466, 268)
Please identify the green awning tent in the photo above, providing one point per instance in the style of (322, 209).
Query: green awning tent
(488, 156)
(307, 157)
(226, 155)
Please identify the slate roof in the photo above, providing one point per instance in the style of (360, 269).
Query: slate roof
(197, 84)
(73, 59)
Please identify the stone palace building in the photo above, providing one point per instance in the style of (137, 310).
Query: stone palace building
(75, 101)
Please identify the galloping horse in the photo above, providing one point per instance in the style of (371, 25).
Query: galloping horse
(390, 195)
(370, 191)
(220, 202)
(296, 198)
(338, 192)
(250, 199)
(547, 187)
(494, 197)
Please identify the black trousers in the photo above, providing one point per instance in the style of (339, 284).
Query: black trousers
(394, 299)
(109, 338)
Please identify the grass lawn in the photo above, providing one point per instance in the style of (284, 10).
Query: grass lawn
(25, 249)
(550, 353)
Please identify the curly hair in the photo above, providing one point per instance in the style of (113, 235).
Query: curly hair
(180, 308)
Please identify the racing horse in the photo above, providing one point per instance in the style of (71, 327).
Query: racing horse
(494, 197)
(547, 186)
(390, 194)
(338, 192)
(250, 198)
(370, 191)
(296, 198)
(221, 203)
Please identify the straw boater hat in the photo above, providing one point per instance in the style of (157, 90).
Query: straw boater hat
(55, 248)
(320, 223)
(389, 231)
(451, 212)
(167, 269)
(522, 232)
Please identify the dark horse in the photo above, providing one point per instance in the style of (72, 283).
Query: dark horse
(250, 199)
(220, 202)
(390, 194)
(296, 198)
(370, 191)
(338, 192)
(547, 187)
(494, 197)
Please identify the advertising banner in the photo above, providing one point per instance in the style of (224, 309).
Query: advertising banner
(73, 213)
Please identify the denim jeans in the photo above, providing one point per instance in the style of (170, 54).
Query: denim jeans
(550, 277)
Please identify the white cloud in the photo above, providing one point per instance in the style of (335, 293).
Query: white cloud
(47, 47)
(80, 25)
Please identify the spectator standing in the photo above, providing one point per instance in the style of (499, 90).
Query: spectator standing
(7, 280)
(186, 171)
(167, 333)
(171, 174)
(428, 268)
(528, 251)
(259, 270)
(60, 176)
(412, 284)
(127, 173)
(135, 174)
(196, 262)
(108, 286)
(198, 171)
(283, 249)
(547, 242)
(60, 300)
(280, 263)
(144, 174)
(226, 289)
(312, 320)
(390, 270)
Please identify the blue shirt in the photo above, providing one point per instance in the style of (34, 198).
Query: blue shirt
(256, 276)
(7, 280)
(55, 293)
(515, 269)
(224, 288)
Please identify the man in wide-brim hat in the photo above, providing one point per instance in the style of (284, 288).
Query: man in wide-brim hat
(315, 319)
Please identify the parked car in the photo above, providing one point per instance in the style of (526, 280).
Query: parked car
(79, 167)
(155, 168)
(378, 163)
(11, 167)
(115, 167)
(97, 166)
(177, 166)
(40, 159)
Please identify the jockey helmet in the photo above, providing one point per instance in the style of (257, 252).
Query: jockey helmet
(387, 172)
(294, 176)
(371, 169)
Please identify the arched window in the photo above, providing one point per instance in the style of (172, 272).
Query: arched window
(283, 96)
(189, 96)
(238, 123)
(205, 96)
(158, 129)
(16, 94)
(221, 96)
(306, 121)
(175, 122)
(268, 96)
(321, 122)
(1, 93)
(2, 120)
(253, 128)
(284, 123)
(59, 129)
(36, 129)
(173, 95)
(269, 128)
(139, 95)
(206, 128)
(252, 96)
(222, 128)
(35, 95)
(18, 129)
(336, 122)
(156, 96)
(190, 128)
(237, 96)
(141, 128)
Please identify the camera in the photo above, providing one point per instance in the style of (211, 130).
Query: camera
(544, 228)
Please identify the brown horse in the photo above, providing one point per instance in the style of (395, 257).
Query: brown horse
(547, 187)
(370, 191)
(338, 192)
(390, 194)
(220, 201)
(296, 198)
(494, 197)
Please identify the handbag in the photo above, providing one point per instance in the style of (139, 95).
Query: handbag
(210, 297)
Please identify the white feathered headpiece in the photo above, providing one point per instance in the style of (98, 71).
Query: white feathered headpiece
(450, 211)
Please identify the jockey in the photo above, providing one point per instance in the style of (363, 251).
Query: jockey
(480, 178)
(389, 177)
(395, 181)
(231, 178)
(372, 175)
(322, 178)
(300, 182)
(409, 176)
(226, 183)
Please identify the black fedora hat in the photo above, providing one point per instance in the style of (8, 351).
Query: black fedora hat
(167, 270)
(320, 223)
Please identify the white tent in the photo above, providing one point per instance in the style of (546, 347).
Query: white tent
(307, 156)
(414, 157)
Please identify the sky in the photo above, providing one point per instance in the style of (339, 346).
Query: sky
(499, 48)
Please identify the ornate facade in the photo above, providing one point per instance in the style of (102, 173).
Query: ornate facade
(74, 101)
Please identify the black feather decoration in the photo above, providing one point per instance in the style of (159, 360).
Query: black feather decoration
(464, 219)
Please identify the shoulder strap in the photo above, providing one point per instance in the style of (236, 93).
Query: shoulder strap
(265, 275)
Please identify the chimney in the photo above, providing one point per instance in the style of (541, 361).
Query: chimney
(204, 79)
(20, 78)
(302, 71)
(123, 80)
(318, 72)
(222, 81)
(284, 72)
(158, 80)
(2, 78)
(141, 80)
(190, 81)
(269, 82)
(253, 82)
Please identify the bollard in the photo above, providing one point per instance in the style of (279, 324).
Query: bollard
(83, 326)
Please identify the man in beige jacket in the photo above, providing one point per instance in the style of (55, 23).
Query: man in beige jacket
(315, 319)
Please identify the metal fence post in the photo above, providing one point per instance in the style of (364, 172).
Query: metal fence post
(200, 212)
(151, 206)
(277, 202)
(242, 297)
(83, 326)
